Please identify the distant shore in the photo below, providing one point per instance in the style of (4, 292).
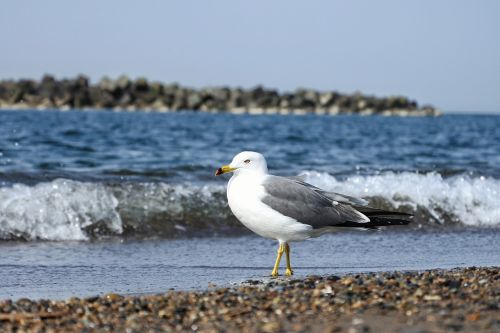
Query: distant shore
(124, 94)
(431, 301)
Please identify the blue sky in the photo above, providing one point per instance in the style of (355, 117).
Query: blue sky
(442, 52)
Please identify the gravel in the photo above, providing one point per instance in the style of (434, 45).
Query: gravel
(466, 300)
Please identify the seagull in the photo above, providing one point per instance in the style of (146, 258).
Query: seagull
(288, 209)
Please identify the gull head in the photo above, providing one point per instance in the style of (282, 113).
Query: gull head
(246, 161)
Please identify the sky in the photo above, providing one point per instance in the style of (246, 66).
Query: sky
(442, 52)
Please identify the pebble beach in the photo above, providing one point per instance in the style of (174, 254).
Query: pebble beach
(465, 300)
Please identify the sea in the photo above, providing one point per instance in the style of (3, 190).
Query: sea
(96, 202)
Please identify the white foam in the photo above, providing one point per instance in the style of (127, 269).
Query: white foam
(67, 210)
(71, 210)
(474, 201)
(58, 210)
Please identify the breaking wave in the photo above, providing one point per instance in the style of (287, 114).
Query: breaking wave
(71, 210)
(461, 199)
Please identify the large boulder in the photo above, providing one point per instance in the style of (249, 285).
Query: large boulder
(327, 99)
(48, 87)
(102, 98)
(123, 83)
(107, 84)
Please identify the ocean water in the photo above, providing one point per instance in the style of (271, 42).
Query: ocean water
(77, 182)
(64, 269)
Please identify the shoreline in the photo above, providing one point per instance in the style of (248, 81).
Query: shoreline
(465, 299)
(124, 94)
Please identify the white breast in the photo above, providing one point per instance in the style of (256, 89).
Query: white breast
(244, 193)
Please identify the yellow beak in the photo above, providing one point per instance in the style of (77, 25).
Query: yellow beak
(224, 169)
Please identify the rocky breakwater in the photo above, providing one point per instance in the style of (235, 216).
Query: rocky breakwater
(140, 94)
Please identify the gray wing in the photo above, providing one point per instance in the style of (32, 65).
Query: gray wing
(308, 204)
(332, 195)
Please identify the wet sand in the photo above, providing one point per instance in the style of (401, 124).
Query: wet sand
(464, 299)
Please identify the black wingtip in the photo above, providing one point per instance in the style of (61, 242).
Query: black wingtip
(369, 211)
(375, 223)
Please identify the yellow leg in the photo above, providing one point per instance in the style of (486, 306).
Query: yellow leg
(289, 271)
(281, 249)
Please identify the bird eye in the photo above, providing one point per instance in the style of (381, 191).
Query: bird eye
(247, 161)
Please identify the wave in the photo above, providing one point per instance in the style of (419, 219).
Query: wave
(460, 199)
(57, 210)
(65, 209)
